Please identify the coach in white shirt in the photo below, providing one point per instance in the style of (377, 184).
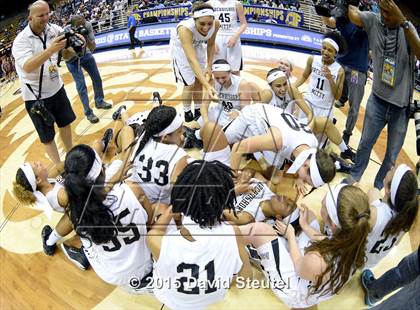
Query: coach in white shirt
(38, 45)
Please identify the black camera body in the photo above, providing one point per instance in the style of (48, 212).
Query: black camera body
(336, 8)
(82, 30)
(73, 40)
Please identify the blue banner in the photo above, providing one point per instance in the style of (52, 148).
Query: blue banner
(281, 16)
(258, 32)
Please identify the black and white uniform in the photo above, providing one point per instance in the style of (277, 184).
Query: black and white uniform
(182, 69)
(256, 119)
(319, 94)
(153, 168)
(192, 275)
(378, 245)
(229, 101)
(225, 12)
(285, 103)
(279, 269)
(250, 202)
(126, 256)
(52, 195)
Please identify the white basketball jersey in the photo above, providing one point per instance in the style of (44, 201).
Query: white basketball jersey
(378, 245)
(319, 92)
(196, 274)
(52, 196)
(282, 103)
(153, 168)
(126, 255)
(225, 12)
(198, 38)
(228, 99)
(250, 202)
(260, 117)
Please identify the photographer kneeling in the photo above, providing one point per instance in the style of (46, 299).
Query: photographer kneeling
(35, 50)
(76, 60)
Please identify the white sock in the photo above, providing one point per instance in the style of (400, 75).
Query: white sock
(342, 146)
(186, 109)
(53, 238)
(197, 134)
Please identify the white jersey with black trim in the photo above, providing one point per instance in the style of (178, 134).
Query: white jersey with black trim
(194, 274)
(282, 103)
(256, 119)
(378, 245)
(198, 38)
(225, 12)
(319, 93)
(250, 202)
(52, 195)
(126, 255)
(153, 168)
(228, 99)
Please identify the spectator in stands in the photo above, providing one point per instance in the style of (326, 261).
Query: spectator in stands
(132, 25)
(271, 20)
(35, 50)
(255, 18)
(395, 44)
(355, 65)
(87, 62)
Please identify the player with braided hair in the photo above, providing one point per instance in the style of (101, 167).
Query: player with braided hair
(206, 250)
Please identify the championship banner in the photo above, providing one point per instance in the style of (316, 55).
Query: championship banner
(282, 16)
(165, 14)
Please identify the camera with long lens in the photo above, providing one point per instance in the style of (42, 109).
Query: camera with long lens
(82, 30)
(73, 41)
(336, 8)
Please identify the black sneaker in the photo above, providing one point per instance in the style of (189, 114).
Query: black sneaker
(92, 118)
(348, 154)
(76, 256)
(143, 286)
(108, 134)
(40, 109)
(48, 249)
(189, 117)
(103, 105)
(190, 140)
(197, 114)
(339, 104)
(117, 114)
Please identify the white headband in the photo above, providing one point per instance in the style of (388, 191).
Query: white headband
(331, 202)
(396, 180)
(275, 75)
(176, 123)
(313, 167)
(220, 67)
(41, 201)
(30, 175)
(332, 42)
(203, 12)
(96, 168)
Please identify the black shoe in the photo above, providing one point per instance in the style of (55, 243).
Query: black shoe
(92, 118)
(117, 114)
(189, 117)
(131, 48)
(197, 114)
(348, 154)
(48, 249)
(190, 140)
(341, 164)
(76, 256)
(40, 109)
(103, 105)
(339, 104)
(366, 279)
(108, 134)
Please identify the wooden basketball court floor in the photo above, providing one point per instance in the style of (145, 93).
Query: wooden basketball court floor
(32, 280)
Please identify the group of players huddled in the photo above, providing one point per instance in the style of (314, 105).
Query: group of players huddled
(154, 218)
